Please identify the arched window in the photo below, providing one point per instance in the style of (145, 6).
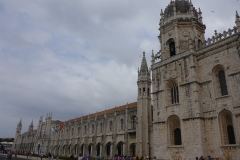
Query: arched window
(72, 131)
(174, 130)
(220, 82)
(85, 130)
(101, 127)
(92, 128)
(121, 124)
(110, 126)
(223, 85)
(134, 122)
(67, 132)
(226, 126)
(174, 94)
(172, 49)
(199, 44)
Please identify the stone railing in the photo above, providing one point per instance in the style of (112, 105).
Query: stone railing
(219, 36)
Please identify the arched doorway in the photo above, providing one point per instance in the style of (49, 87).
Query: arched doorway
(108, 149)
(76, 149)
(98, 149)
(132, 149)
(90, 149)
(120, 148)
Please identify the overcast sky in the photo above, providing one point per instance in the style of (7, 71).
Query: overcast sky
(77, 57)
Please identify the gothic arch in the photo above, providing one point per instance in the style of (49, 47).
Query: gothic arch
(132, 149)
(133, 122)
(220, 80)
(172, 47)
(174, 130)
(119, 148)
(172, 92)
(227, 128)
(98, 148)
(82, 149)
(76, 149)
(108, 149)
(90, 148)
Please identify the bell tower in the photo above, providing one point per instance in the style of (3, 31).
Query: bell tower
(180, 26)
(143, 109)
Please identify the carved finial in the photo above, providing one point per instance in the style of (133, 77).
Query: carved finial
(237, 21)
(199, 10)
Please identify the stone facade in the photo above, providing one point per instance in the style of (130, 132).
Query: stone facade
(195, 88)
(188, 103)
(104, 133)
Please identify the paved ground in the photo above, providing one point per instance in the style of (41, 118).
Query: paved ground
(20, 157)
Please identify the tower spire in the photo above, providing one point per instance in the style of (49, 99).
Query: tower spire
(144, 67)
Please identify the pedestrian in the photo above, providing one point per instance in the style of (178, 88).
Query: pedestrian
(27, 153)
(71, 157)
(10, 155)
(89, 157)
(52, 156)
(41, 155)
(80, 157)
(98, 157)
(49, 156)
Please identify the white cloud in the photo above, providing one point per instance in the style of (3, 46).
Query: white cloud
(78, 57)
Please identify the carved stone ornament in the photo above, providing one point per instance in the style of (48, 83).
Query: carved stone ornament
(170, 34)
(185, 33)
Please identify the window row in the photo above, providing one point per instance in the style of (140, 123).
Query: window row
(93, 128)
(220, 85)
(225, 122)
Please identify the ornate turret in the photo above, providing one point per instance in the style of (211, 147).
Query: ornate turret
(143, 108)
(178, 21)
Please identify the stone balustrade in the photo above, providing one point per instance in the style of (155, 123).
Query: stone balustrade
(219, 36)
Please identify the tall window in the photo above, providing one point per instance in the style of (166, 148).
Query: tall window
(174, 94)
(172, 49)
(220, 81)
(121, 124)
(231, 136)
(134, 122)
(101, 127)
(85, 130)
(67, 132)
(78, 130)
(92, 128)
(223, 85)
(177, 136)
(72, 131)
(110, 126)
